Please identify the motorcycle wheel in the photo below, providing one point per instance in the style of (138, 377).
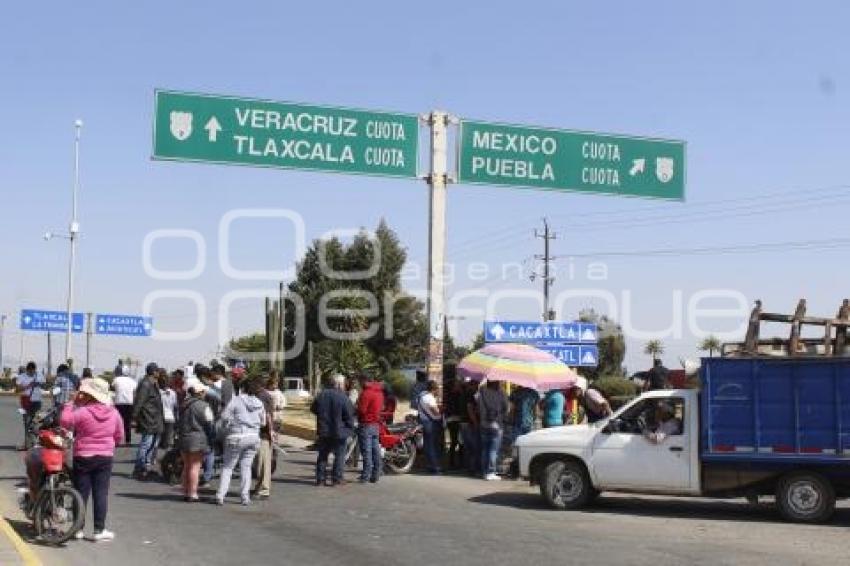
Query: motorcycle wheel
(400, 458)
(59, 513)
(171, 467)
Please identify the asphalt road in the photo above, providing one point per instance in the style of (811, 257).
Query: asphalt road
(420, 519)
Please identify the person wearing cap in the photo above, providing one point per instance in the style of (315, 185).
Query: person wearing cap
(194, 429)
(667, 424)
(98, 429)
(148, 414)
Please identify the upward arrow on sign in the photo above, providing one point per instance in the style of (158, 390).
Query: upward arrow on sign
(213, 128)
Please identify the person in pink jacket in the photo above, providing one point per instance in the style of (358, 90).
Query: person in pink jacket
(97, 428)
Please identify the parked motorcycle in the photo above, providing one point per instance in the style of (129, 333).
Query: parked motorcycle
(51, 502)
(399, 446)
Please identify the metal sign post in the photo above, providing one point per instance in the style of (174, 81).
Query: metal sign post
(262, 133)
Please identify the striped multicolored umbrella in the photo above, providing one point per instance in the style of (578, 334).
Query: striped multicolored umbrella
(519, 364)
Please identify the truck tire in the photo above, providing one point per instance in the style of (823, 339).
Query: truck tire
(566, 485)
(805, 497)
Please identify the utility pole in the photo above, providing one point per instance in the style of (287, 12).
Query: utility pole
(548, 279)
(73, 231)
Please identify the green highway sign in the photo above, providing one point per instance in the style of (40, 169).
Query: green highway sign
(500, 154)
(245, 131)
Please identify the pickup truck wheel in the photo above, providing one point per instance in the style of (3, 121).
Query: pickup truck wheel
(805, 497)
(565, 485)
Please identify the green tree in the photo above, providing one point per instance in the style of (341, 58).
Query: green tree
(254, 343)
(654, 348)
(398, 332)
(348, 357)
(612, 346)
(478, 341)
(709, 344)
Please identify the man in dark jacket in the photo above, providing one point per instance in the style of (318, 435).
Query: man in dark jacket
(334, 423)
(369, 407)
(147, 412)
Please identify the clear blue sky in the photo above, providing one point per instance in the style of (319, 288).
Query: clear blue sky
(761, 93)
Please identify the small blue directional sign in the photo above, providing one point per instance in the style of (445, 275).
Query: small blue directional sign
(575, 355)
(540, 332)
(123, 325)
(51, 321)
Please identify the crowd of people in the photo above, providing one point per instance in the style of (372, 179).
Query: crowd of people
(203, 412)
(469, 428)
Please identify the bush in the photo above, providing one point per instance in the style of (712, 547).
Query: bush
(617, 390)
(399, 384)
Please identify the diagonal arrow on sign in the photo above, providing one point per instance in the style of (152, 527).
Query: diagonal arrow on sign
(638, 166)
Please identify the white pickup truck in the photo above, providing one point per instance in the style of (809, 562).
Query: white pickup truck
(572, 464)
(756, 428)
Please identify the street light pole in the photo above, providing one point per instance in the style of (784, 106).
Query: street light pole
(73, 230)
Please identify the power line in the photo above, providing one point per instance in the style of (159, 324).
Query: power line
(756, 209)
(793, 245)
(759, 204)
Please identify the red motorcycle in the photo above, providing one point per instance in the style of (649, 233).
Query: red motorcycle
(51, 502)
(399, 445)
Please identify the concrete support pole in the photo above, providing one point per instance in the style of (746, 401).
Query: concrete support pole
(437, 181)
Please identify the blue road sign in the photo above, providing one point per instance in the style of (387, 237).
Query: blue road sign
(576, 355)
(51, 321)
(123, 325)
(540, 332)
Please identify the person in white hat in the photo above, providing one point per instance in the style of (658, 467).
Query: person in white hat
(194, 429)
(98, 428)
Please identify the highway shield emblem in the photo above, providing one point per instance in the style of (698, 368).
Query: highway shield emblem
(181, 125)
(664, 169)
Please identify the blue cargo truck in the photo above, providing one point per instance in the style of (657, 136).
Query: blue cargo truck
(757, 426)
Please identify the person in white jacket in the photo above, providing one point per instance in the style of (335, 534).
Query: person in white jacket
(124, 387)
